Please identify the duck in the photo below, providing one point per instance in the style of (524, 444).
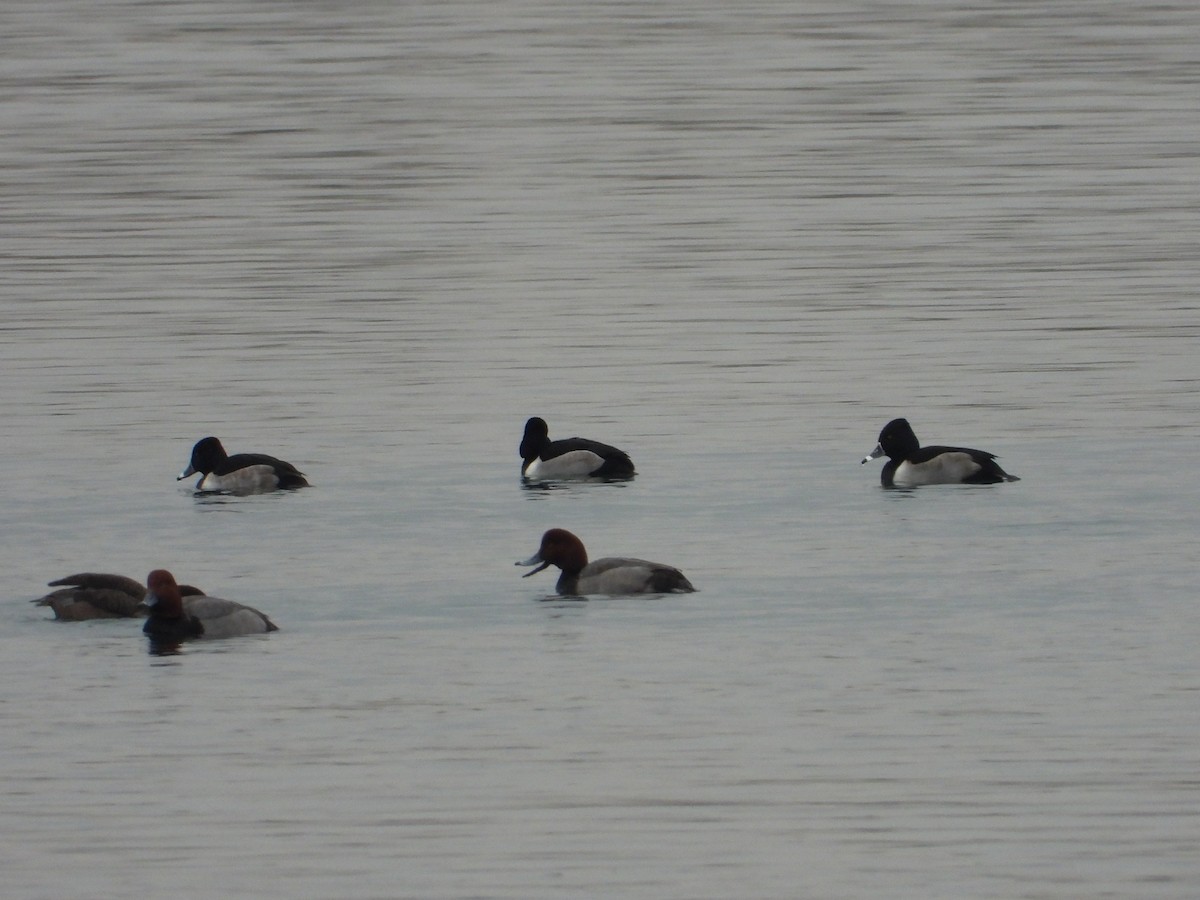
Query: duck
(910, 464)
(613, 576)
(99, 595)
(242, 473)
(173, 617)
(574, 457)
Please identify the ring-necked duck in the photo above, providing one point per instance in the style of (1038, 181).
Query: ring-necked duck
(242, 473)
(574, 457)
(910, 464)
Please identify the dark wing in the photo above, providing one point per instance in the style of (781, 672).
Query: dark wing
(103, 580)
(989, 470)
(289, 475)
(616, 462)
(925, 454)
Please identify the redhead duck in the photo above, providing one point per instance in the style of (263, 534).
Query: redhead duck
(910, 464)
(242, 473)
(174, 617)
(99, 595)
(574, 457)
(604, 576)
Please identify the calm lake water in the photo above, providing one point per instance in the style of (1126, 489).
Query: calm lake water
(372, 238)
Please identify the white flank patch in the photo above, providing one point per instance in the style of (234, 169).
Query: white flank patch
(946, 468)
(244, 481)
(576, 464)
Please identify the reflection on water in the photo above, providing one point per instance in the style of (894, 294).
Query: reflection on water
(580, 486)
(738, 235)
(158, 647)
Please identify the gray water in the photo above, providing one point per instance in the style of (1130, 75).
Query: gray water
(733, 239)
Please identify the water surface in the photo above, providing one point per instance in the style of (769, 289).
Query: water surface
(734, 240)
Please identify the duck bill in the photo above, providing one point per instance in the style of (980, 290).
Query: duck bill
(149, 600)
(874, 454)
(533, 561)
(190, 470)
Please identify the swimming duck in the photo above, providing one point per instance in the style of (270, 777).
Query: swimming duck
(174, 617)
(569, 458)
(612, 576)
(910, 464)
(99, 595)
(242, 473)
